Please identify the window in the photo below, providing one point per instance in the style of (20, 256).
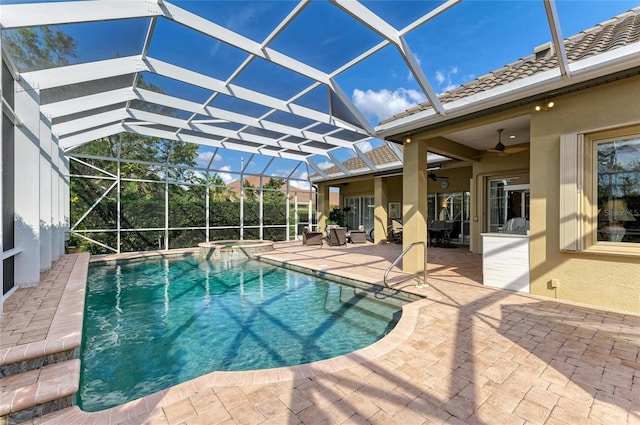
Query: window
(600, 191)
(617, 184)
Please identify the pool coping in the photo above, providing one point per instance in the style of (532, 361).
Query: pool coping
(65, 331)
(399, 334)
(387, 383)
(141, 255)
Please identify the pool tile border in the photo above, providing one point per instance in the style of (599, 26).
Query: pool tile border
(150, 403)
(168, 407)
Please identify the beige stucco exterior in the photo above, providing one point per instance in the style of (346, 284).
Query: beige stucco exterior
(598, 279)
(607, 280)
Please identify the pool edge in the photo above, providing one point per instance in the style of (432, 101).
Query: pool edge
(147, 404)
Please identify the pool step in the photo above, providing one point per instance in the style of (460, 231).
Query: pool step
(37, 392)
(38, 371)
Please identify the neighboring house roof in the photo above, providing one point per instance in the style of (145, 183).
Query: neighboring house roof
(303, 194)
(617, 32)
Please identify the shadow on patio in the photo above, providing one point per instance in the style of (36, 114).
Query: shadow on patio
(464, 354)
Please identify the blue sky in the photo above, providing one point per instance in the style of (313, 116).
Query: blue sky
(467, 41)
(470, 40)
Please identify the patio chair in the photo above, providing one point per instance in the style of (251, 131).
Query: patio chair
(516, 225)
(357, 236)
(394, 232)
(337, 236)
(440, 233)
(310, 238)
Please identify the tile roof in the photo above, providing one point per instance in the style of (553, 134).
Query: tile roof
(619, 31)
(381, 155)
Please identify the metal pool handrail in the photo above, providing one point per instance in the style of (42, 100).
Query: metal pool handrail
(407, 249)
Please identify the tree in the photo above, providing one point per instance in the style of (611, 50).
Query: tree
(273, 191)
(40, 48)
(219, 190)
(145, 165)
(250, 191)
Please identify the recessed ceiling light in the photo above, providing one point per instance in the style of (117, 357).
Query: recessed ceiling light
(513, 136)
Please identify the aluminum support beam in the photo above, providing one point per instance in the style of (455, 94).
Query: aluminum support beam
(25, 15)
(556, 35)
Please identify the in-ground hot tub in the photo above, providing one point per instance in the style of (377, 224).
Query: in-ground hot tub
(233, 250)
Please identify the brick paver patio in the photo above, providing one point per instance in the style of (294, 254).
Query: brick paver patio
(466, 354)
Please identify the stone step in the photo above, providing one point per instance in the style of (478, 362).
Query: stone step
(37, 392)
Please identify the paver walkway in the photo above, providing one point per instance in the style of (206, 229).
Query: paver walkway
(464, 354)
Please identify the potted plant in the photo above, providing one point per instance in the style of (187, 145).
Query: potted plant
(337, 217)
(74, 245)
(330, 224)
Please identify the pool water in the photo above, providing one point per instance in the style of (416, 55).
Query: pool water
(153, 324)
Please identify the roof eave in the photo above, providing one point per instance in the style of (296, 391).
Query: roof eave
(608, 63)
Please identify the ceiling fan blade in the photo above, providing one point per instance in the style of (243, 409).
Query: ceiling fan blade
(516, 149)
(435, 177)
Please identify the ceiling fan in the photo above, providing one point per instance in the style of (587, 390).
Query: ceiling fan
(434, 177)
(501, 150)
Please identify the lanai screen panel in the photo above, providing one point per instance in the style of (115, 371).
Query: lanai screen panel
(282, 79)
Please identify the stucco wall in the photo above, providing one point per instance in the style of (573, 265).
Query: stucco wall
(366, 188)
(394, 189)
(458, 179)
(356, 188)
(597, 279)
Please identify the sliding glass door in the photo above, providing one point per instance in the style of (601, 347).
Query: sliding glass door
(452, 207)
(360, 212)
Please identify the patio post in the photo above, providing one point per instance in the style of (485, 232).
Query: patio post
(27, 185)
(380, 214)
(323, 205)
(414, 205)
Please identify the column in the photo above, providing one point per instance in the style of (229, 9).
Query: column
(65, 199)
(414, 204)
(380, 213)
(323, 205)
(27, 186)
(46, 215)
(57, 228)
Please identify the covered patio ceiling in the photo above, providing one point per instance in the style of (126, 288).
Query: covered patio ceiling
(275, 79)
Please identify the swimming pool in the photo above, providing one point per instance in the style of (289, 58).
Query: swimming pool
(155, 323)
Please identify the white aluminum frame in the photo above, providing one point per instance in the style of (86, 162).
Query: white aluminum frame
(117, 179)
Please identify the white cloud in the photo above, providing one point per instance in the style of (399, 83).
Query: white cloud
(446, 79)
(204, 157)
(226, 178)
(364, 146)
(385, 103)
(303, 183)
(324, 165)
